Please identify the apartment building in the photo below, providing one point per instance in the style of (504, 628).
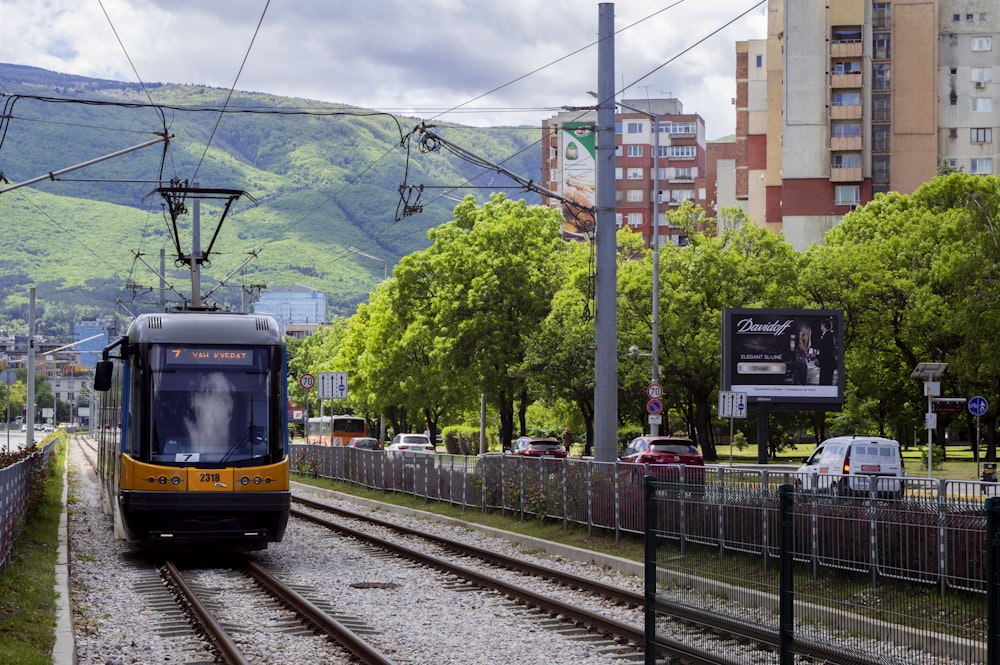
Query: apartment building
(568, 166)
(850, 98)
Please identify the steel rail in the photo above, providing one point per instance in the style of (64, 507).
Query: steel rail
(341, 634)
(213, 629)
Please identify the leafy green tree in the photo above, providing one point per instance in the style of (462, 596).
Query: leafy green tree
(498, 270)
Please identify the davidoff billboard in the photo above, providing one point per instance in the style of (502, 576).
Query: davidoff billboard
(784, 356)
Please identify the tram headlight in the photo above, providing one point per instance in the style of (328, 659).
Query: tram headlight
(245, 480)
(163, 480)
(175, 480)
(256, 480)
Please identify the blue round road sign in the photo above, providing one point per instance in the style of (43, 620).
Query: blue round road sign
(654, 407)
(978, 406)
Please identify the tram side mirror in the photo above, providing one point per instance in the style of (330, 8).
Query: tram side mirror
(102, 375)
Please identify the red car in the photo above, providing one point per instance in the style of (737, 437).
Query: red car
(529, 446)
(662, 450)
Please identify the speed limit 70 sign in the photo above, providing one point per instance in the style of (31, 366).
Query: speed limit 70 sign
(307, 381)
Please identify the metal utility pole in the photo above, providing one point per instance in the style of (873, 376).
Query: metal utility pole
(605, 295)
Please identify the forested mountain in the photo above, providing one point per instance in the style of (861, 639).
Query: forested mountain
(318, 178)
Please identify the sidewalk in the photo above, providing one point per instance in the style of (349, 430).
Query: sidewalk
(64, 651)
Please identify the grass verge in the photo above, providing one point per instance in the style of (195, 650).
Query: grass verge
(27, 587)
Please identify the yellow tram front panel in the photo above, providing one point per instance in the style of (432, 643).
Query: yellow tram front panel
(270, 478)
(140, 476)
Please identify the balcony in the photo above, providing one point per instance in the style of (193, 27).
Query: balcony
(846, 49)
(845, 143)
(845, 175)
(845, 112)
(845, 80)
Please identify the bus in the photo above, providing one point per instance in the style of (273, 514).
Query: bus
(334, 430)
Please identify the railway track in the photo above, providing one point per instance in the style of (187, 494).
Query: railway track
(571, 613)
(685, 619)
(232, 643)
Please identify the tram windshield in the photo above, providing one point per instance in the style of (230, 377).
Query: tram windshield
(209, 404)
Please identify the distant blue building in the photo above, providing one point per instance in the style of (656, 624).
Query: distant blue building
(90, 336)
(293, 305)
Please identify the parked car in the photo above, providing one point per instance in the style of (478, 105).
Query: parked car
(530, 446)
(411, 443)
(365, 442)
(662, 450)
(665, 454)
(846, 465)
(24, 428)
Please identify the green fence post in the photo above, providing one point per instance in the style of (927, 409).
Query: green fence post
(992, 573)
(649, 502)
(786, 602)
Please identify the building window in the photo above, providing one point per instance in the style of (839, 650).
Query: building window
(683, 173)
(880, 108)
(956, 18)
(848, 195)
(663, 173)
(619, 173)
(982, 105)
(635, 173)
(981, 135)
(880, 138)
(847, 129)
(841, 98)
(681, 128)
(618, 151)
(682, 151)
(851, 35)
(982, 43)
(880, 15)
(633, 127)
(847, 67)
(635, 151)
(981, 167)
(678, 196)
(635, 219)
(618, 196)
(760, 61)
(881, 75)
(953, 133)
(982, 74)
(618, 219)
(951, 163)
(880, 170)
(847, 160)
(663, 151)
(634, 196)
(882, 48)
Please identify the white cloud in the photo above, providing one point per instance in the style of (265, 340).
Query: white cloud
(399, 55)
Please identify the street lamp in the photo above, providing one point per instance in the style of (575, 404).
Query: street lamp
(654, 428)
(929, 372)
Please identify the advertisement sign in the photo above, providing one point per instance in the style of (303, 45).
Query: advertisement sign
(784, 356)
(578, 147)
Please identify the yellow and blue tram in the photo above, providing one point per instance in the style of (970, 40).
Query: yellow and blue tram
(193, 431)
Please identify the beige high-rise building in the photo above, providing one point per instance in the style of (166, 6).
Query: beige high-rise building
(849, 98)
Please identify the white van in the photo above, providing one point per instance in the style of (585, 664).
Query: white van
(846, 465)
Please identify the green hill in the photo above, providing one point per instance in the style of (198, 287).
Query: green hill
(319, 178)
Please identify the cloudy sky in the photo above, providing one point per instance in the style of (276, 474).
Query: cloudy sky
(478, 62)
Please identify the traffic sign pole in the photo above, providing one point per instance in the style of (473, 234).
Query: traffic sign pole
(977, 407)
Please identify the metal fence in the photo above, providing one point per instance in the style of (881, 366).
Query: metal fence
(912, 566)
(15, 488)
